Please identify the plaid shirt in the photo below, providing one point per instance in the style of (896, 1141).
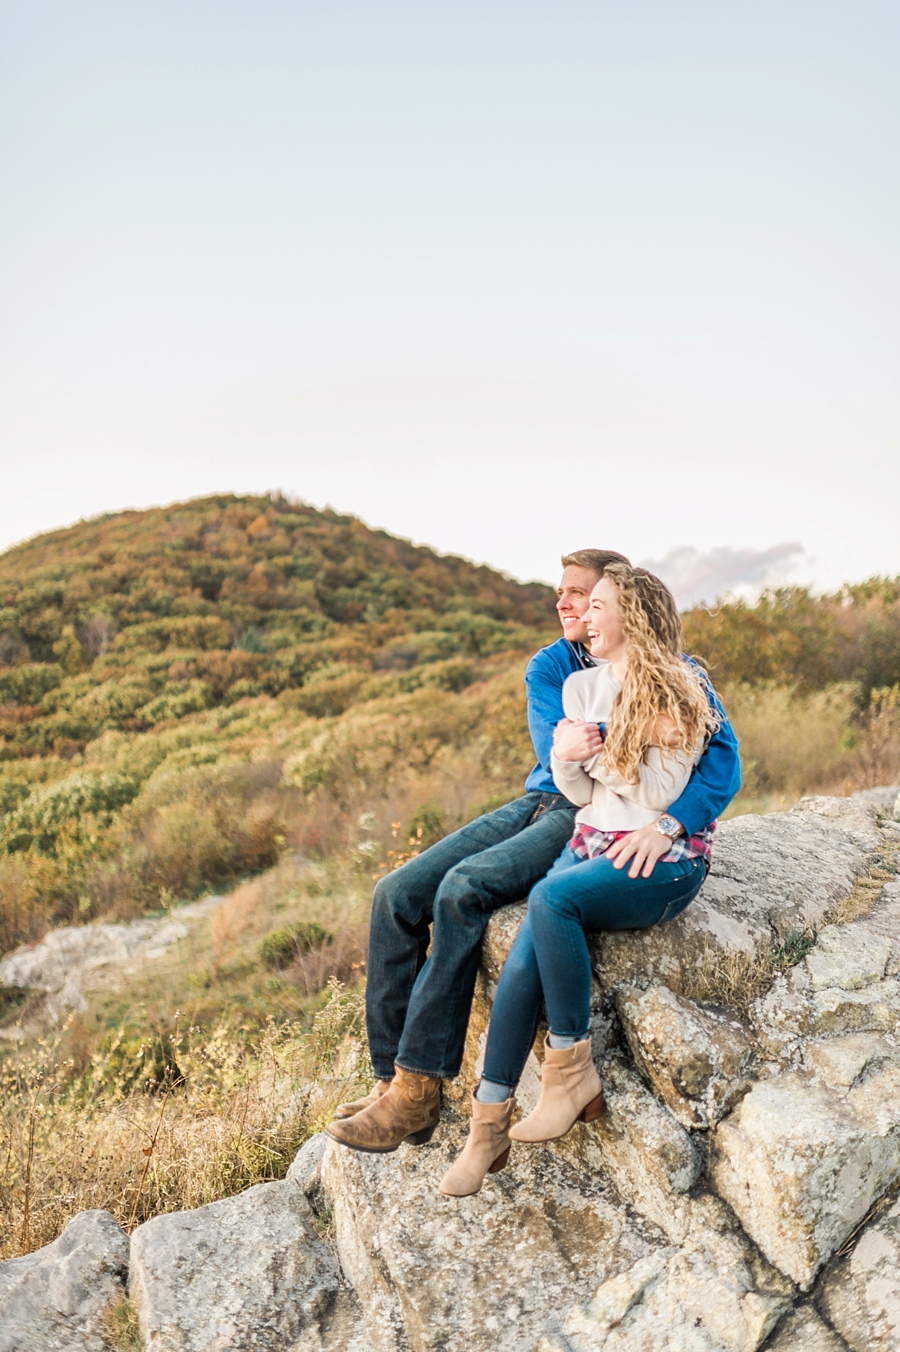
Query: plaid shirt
(588, 842)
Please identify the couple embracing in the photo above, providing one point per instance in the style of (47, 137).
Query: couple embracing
(636, 759)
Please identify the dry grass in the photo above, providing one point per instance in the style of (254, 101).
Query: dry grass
(734, 980)
(792, 742)
(120, 1327)
(796, 742)
(863, 896)
(229, 1113)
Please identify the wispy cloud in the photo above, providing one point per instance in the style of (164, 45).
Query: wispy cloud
(700, 579)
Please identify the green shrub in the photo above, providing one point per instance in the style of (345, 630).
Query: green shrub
(281, 947)
(131, 1062)
(36, 823)
(426, 826)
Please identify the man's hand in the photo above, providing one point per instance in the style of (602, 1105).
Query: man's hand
(575, 740)
(644, 848)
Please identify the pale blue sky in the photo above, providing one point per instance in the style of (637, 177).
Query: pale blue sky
(504, 278)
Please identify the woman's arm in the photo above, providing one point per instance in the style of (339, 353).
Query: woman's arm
(573, 737)
(572, 780)
(662, 776)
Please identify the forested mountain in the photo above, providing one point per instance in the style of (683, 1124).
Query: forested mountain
(189, 692)
(137, 618)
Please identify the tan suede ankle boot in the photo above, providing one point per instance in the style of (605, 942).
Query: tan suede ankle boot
(486, 1149)
(570, 1092)
(409, 1110)
(357, 1105)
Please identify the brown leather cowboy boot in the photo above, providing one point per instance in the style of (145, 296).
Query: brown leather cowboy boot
(409, 1111)
(357, 1105)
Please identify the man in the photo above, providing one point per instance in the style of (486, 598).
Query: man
(418, 1002)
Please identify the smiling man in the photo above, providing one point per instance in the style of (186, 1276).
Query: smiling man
(418, 998)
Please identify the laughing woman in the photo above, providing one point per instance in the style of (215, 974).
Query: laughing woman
(655, 714)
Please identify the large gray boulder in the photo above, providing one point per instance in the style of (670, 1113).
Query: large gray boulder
(802, 1162)
(861, 1291)
(801, 1146)
(247, 1274)
(53, 1300)
(475, 1273)
(770, 876)
(801, 1330)
(700, 1298)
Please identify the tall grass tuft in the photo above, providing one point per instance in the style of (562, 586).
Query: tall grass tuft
(233, 1115)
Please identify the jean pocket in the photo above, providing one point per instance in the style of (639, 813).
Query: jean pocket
(674, 909)
(680, 904)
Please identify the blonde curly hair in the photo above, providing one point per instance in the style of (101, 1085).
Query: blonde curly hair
(658, 681)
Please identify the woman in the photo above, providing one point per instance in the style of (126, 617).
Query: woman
(657, 716)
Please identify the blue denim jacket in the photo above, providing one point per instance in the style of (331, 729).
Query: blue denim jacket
(711, 787)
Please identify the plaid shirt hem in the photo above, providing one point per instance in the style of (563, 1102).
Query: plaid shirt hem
(589, 841)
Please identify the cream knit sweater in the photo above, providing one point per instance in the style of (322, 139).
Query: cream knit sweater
(607, 801)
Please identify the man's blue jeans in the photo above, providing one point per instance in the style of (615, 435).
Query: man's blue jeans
(549, 962)
(418, 1002)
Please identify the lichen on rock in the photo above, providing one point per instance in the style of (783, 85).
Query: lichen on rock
(738, 1194)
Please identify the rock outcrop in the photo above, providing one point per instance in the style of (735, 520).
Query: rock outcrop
(698, 1060)
(246, 1273)
(738, 1194)
(72, 961)
(54, 1300)
(861, 1291)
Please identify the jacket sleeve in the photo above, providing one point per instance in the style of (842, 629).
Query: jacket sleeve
(543, 692)
(716, 778)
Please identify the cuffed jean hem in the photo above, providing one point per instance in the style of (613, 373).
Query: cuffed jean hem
(431, 1074)
(385, 1072)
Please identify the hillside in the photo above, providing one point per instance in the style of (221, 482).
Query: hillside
(161, 668)
(189, 693)
(134, 619)
(250, 697)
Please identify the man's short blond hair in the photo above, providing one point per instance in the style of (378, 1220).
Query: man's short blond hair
(597, 560)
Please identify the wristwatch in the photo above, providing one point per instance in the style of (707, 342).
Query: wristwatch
(668, 826)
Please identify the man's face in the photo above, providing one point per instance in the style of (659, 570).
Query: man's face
(573, 599)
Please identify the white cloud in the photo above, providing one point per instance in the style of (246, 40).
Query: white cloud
(700, 579)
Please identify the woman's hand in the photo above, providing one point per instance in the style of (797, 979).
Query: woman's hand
(644, 848)
(661, 731)
(575, 740)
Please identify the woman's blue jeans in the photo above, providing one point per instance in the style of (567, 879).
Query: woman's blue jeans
(549, 961)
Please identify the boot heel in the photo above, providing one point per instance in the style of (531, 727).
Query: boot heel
(421, 1137)
(593, 1110)
(500, 1162)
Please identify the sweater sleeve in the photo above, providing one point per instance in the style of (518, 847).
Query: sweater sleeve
(662, 776)
(716, 778)
(572, 780)
(571, 777)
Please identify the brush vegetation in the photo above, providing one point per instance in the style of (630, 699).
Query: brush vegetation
(248, 696)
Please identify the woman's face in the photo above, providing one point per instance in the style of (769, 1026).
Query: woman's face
(604, 622)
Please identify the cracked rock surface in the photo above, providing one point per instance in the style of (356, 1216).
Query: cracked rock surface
(739, 1193)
